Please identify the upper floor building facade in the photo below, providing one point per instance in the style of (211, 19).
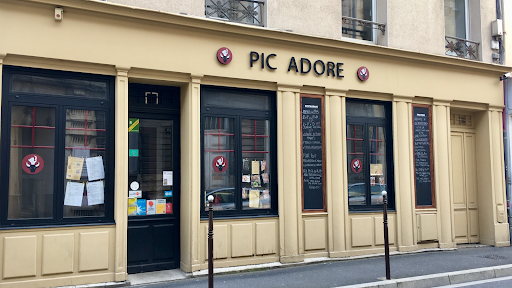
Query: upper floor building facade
(470, 29)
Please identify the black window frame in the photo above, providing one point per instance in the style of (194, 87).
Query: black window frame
(239, 114)
(60, 103)
(387, 122)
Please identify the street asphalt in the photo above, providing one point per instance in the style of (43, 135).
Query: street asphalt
(355, 271)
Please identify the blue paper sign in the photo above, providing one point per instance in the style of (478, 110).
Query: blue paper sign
(141, 206)
(168, 193)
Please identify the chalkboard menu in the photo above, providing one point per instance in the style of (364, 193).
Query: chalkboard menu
(423, 166)
(312, 153)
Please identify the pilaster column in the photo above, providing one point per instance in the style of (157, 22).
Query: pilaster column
(191, 174)
(442, 171)
(404, 184)
(335, 166)
(121, 175)
(501, 228)
(288, 101)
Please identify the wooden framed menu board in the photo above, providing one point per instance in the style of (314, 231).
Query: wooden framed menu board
(423, 156)
(313, 153)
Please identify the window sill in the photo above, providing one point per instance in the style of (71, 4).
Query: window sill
(237, 217)
(56, 226)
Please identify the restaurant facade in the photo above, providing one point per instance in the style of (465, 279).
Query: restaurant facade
(118, 122)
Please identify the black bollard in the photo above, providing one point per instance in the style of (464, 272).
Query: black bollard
(210, 242)
(386, 239)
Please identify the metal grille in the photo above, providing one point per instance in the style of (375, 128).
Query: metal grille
(461, 120)
(355, 28)
(462, 48)
(247, 12)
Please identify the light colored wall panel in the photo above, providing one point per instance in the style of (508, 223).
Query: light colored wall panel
(460, 223)
(220, 241)
(473, 216)
(361, 231)
(93, 251)
(58, 253)
(427, 227)
(314, 234)
(241, 240)
(20, 256)
(379, 230)
(265, 238)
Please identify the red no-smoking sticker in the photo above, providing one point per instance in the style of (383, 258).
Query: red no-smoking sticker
(356, 166)
(32, 164)
(220, 164)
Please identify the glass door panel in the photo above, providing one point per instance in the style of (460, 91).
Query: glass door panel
(356, 165)
(32, 154)
(376, 137)
(150, 167)
(219, 162)
(255, 160)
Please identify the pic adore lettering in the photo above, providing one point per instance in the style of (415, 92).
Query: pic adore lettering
(302, 65)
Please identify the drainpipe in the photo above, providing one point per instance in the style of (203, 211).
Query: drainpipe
(507, 136)
(499, 16)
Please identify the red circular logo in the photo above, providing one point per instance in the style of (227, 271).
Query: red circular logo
(220, 164)
(363, 74)
(32, 164)
(356, 166)
(224, 55)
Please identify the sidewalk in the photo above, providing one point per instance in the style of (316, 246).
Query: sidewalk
(428, 269)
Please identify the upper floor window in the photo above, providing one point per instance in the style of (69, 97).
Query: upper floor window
(241, 11)
(457, 34)
(359, 19)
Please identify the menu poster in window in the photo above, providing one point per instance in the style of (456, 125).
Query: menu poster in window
(95, 170)
(95, 193)
(74, 193)
(423, 166)
(312, 153)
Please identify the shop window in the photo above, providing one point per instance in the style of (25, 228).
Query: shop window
(57, 157)
(369, 155)
(239, 144)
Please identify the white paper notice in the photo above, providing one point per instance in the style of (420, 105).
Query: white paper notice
(151, 207)
(95, 193)
(167, 176)
(74, 193)
(95, 170)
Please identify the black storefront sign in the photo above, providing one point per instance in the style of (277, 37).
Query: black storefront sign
(313, 176)
(423, 164)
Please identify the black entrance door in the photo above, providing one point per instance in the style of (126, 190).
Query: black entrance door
(153, 179)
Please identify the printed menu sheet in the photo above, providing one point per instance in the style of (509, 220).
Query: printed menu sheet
(95, 170)
(95, 193)
(74, 194)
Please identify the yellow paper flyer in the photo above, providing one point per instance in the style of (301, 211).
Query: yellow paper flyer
(74, 171)
(254, 198)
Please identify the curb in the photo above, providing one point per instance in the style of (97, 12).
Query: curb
(441, 279)
(101, 285)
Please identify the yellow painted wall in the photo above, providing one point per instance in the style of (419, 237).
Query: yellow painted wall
(97, 37)
(57, 257)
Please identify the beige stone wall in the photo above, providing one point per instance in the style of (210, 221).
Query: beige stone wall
(190, 7)
(416, 25)
(318, 18)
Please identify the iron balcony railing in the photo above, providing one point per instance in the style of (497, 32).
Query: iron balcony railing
(241, 11)
(361, 23)
(462, 48)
